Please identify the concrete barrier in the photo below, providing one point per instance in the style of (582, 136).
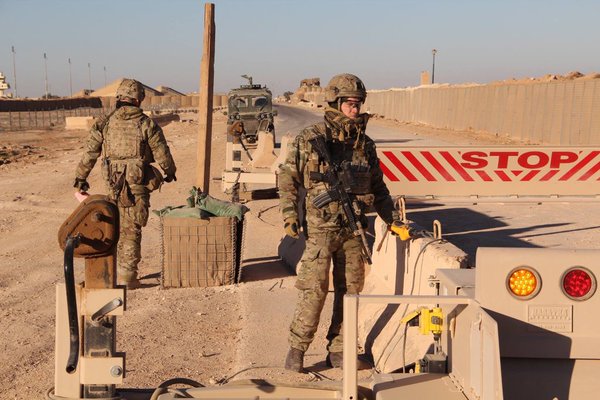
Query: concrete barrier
(264, 155)
(283, 152)
(400, 268)
(76, 123)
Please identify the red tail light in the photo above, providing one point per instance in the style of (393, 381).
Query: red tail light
(578, 283)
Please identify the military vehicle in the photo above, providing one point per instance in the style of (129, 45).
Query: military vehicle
(518, 327)
(251, 104)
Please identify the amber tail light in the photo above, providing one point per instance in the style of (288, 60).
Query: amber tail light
(523, 283)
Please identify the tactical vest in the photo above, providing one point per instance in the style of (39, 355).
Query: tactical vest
(125, 147)
(358, 169)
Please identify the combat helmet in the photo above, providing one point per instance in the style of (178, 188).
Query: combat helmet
(132, 89)
(343, 86)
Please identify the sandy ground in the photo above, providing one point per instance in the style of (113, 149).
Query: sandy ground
(212, 335)
(207, 334)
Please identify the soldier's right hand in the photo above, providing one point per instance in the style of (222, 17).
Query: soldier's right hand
(236, 128)
(290, 225)
(81, 184)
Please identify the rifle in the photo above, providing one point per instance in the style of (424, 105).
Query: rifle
(339, 179)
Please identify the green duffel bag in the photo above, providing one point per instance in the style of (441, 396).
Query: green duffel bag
(217, 207)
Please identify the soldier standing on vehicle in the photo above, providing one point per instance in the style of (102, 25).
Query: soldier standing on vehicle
(129, 142)
(339, 143)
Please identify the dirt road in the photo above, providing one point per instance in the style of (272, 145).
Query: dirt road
(209, 334)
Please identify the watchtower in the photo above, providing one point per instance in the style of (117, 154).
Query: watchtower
(3, 85)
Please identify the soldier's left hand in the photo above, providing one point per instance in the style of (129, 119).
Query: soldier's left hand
(81, 184)
(291, 227)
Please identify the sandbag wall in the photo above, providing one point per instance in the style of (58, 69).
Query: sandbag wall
(559, 113)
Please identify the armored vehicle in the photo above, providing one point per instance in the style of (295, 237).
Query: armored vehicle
(251, 104)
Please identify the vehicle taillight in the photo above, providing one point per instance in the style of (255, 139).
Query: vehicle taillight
(524, 283)
(578, 283)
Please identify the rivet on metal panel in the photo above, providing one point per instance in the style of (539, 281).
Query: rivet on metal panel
(116, 371)
(437, 229)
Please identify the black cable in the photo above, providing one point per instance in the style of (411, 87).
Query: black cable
(71, 244)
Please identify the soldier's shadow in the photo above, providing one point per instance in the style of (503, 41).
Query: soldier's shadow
(263, 268)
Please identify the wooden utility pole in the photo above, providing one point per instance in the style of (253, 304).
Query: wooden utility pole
(207, 72)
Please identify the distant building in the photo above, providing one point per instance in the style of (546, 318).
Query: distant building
(310, 91)
(4, 86)
(110, 90)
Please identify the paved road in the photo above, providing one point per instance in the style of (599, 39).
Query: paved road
(293, 119)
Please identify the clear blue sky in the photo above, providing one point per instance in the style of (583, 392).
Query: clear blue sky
(385, 42)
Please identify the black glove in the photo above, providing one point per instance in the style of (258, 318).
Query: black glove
(170, 178)
(81, 184)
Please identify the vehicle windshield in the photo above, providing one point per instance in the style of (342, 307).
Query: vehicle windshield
(238, 102)
(260, 102)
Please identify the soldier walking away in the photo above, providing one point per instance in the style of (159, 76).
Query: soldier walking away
(129, 142)
(336, 162)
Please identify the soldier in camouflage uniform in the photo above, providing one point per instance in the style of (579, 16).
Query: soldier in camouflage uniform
(129, 142)
(329, 237)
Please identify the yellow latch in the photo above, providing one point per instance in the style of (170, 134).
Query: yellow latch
(430, 321)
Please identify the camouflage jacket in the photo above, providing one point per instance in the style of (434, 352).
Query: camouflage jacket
(346, 141)
(128, 141)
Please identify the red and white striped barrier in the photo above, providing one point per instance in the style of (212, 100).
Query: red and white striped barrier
(491, 171)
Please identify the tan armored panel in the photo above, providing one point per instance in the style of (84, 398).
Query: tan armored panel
(548, 321)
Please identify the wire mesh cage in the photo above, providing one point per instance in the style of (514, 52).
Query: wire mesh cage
(200, 252)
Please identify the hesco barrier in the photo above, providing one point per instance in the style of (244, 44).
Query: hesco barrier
(149, 102)
(560, 112)
(23, 114)
(50, 104)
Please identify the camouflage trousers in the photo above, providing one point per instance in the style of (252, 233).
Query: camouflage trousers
(129, 253)
(313, 282)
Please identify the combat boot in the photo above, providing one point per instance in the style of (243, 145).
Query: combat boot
(129, 280)
(132, 284)
(295, 360)
(335, 359)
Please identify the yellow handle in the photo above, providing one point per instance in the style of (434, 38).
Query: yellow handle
(403, 231)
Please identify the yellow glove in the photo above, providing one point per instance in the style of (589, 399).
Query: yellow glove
(290, 225)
